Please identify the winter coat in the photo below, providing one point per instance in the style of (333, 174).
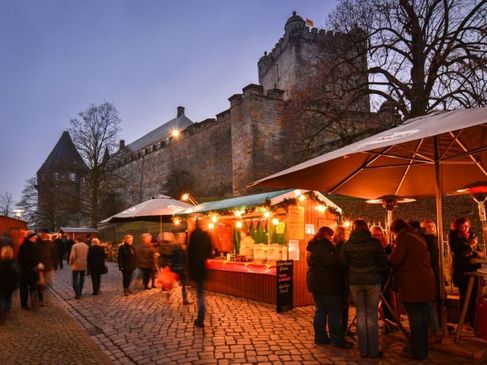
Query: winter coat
(463, 257)
(126, 257)
(60, 247)
(78, 259)
(411, 262)
(28, 259)
(326, 274)
(96, 259)
(9, 276)
(364, 258)
(47, 254)
(199, 250)
(432, 243)
(145, 257)
(178, 260)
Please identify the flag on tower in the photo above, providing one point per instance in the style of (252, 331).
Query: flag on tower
(310, 23)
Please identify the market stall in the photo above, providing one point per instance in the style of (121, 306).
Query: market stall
(251, 236)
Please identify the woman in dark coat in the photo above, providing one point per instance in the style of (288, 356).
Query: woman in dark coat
(463, 244)
(416, 284)
(326, 281)
(96, 264)
(366, 261)
(29, 260)
(127, 261)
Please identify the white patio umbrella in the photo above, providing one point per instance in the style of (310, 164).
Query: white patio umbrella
(424, 156)
(156, 208)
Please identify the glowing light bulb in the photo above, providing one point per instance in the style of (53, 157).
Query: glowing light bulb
(267, 214)
(214, 218)
(275, 221)
(238, 224)
(321, 208)
(211, 225)
(177, 221)
(175, 133)
(302, 198)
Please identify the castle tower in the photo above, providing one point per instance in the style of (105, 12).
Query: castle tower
(293, 59)
(58, 184)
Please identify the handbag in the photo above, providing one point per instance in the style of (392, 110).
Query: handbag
(105, 269)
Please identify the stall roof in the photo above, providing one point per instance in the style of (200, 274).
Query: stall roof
(253, 200)
(78, 230)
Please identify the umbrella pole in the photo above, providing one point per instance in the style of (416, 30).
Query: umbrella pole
(439, 225)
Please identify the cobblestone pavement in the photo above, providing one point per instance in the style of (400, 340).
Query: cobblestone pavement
(47, 335)
(152, 327)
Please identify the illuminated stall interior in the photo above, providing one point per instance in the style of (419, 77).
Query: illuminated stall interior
(250, 233)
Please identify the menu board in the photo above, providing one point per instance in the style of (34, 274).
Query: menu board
(284, 285)
(295, 223)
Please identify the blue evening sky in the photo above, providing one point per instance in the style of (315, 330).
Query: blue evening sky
(147, 57)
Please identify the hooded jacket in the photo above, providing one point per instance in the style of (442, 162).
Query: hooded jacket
(364, 258)
(325, 272)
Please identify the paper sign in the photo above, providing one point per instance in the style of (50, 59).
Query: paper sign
(295, 222)
(309, 229)
(293, 250)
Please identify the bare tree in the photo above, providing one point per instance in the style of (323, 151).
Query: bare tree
(406, 58)
(29, 202)
(6, 204)
(95, 133)
(423, 55)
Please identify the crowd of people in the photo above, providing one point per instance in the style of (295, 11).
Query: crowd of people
(41, 254)
(363, 264)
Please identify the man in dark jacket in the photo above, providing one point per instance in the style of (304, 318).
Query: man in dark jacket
(326, 281)
(127, 262)
(416, 283)
(28, 259)
(199, 250)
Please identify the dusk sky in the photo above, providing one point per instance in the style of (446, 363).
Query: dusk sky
(147, 57)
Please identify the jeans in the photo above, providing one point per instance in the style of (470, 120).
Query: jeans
(433, 321)
(95, 281)
(5, 302)
(328, 307)
(127, 278)
(418, 324)
(78, 282)
(27, 284)
(366, 299)
(200, 292)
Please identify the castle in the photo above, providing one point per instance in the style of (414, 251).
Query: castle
(219, 157)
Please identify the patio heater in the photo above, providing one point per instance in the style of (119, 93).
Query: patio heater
(389, 202)
(478, 192)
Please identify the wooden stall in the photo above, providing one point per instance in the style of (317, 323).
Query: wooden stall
(251, 233)
(15, 229)
(79, 232)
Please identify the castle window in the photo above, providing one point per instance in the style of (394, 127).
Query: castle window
(72, 176)
(56, 176)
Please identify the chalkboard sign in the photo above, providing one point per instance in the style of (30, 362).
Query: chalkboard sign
(284, 285)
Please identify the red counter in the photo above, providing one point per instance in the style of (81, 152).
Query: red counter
(243, 279)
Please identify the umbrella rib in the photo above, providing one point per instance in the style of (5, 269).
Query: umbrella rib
(422, 159)
(356, 171)
(454, 138)
(420, 142)
(398, 165)
(478, 163)
(467, 153)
